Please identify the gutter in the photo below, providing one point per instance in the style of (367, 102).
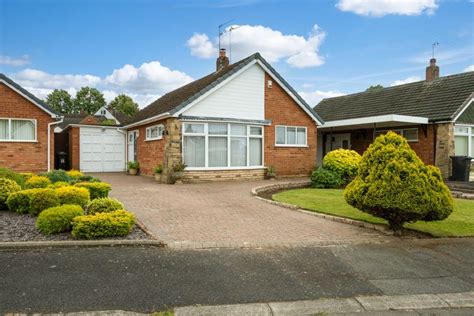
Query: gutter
(49, 140)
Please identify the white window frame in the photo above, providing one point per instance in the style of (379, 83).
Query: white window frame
(161, 129)
(229, 136)
(401, 131)
(296, 136)
(10, 130)
(469, 134)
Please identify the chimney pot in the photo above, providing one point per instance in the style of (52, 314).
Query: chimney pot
(222, 61)
(432, 71)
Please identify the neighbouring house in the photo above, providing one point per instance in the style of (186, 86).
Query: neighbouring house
(26, 129)
(435, 115)
(230, 124)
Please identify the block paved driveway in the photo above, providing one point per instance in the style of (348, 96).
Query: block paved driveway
(224, 214)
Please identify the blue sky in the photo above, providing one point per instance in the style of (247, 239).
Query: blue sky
(146, 48)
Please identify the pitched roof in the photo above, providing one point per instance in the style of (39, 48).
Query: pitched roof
(28, 95)
(438, 100)
(70, 119)
(177, 99)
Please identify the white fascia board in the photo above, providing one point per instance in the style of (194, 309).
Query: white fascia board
(377, 119)
(148, 120)
(290, 93)
(95, 126)
(211, 91)
(53, 115)
(465, 106)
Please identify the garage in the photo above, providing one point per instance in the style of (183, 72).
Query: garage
(102, 149)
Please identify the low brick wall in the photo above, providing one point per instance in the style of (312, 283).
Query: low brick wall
(223, 175)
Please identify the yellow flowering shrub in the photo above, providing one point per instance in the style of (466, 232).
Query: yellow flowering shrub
(100, 225)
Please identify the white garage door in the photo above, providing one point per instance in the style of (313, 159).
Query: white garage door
(101, 150)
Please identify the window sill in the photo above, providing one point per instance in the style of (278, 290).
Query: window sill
(223, 168)
(18, 141)
(292, 146)
(153, 139)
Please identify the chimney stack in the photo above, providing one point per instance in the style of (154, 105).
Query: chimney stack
(222, 61)
(432, 71)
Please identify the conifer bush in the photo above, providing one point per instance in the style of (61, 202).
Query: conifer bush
(58, 219)
(104, 205)
(343, 161)
(73, 195)
(42, 199)
(7, 187)
(393, 183)
(37, 182)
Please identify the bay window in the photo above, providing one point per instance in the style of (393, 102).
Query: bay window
(222, 145)
(291, 136)
(17, 130)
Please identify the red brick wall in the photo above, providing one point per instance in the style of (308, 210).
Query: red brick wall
(149, 153)
(23, 156)
(74, 148)
(281, 109)
(423, 148)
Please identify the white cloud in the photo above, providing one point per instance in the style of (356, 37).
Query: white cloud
(469, 68)
(144, 83)
(404, 81)
(379, 8)
(314, 97)
(297, 51)
(11, 61)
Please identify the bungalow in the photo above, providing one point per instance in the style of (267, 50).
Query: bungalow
(230, 124)
(26, 129)
(435, 115)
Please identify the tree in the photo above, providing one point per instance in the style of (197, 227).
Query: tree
(375, 88)
(124, 104)
(89, 100)
(61, 101)
(393, 183)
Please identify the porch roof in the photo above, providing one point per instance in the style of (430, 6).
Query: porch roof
(379, 120)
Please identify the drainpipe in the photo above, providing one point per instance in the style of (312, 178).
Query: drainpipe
(49, 140)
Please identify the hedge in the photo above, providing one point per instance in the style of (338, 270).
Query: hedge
(96, 189)
(42, 199)
(324, 178)
(7, 187)
(19, 202)
(104, 205)
(12, 175)
(58, 219)
(117, 223)
(73, 195)
(37, 182)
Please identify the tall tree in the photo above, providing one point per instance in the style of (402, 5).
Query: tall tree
(375, 88)
(61, 101)
(89, 100)
(124, 104)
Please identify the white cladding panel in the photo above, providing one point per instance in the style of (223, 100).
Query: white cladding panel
(101, 150)
(241, 98)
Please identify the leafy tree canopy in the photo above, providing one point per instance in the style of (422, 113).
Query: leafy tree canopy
(89, 100)
(124, 104)
(375, 88)
(60, 101)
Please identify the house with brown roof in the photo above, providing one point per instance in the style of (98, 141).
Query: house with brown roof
(230, 124)
(435, 115)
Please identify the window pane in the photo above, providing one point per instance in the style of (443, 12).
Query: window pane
(238, 129)
(461, 145)
(193, 128)
(255, 130)
(193, 151)
(301, 136)
(217, 151)
(217, 129)
(280, 138)
(23, 130)
(291, 135)
(461, 130)
(411, 134)
(238, 151)
(3, 129)
(154, 132)
(255, 154)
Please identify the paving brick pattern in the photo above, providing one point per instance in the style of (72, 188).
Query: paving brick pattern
(224, 214)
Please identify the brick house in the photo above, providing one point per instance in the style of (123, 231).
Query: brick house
(232, 123)
(436, 116)
(26, 129)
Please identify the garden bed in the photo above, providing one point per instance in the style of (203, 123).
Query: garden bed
(15, 227)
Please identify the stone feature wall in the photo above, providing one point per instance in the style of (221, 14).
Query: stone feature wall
(281, 109)
(444, 148)
(173, 152)
(223, 175)
(25, 156)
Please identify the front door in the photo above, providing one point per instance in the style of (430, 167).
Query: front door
(132, 145)
(338, 141)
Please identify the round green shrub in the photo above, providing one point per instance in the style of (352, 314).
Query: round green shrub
(100, 225)
(59, 184)
(57, 175)
(324, 178)
(37, 182)
(7, 187)
(20, 201)
(73, 195)
(393, 183)
(12, 175)
(42, 199)
(96, 189)
(104, 205)
(343, 161)
(58, 219)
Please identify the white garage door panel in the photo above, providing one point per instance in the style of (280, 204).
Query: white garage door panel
(102, 150)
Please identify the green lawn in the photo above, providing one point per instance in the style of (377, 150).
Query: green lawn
(331, 201)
